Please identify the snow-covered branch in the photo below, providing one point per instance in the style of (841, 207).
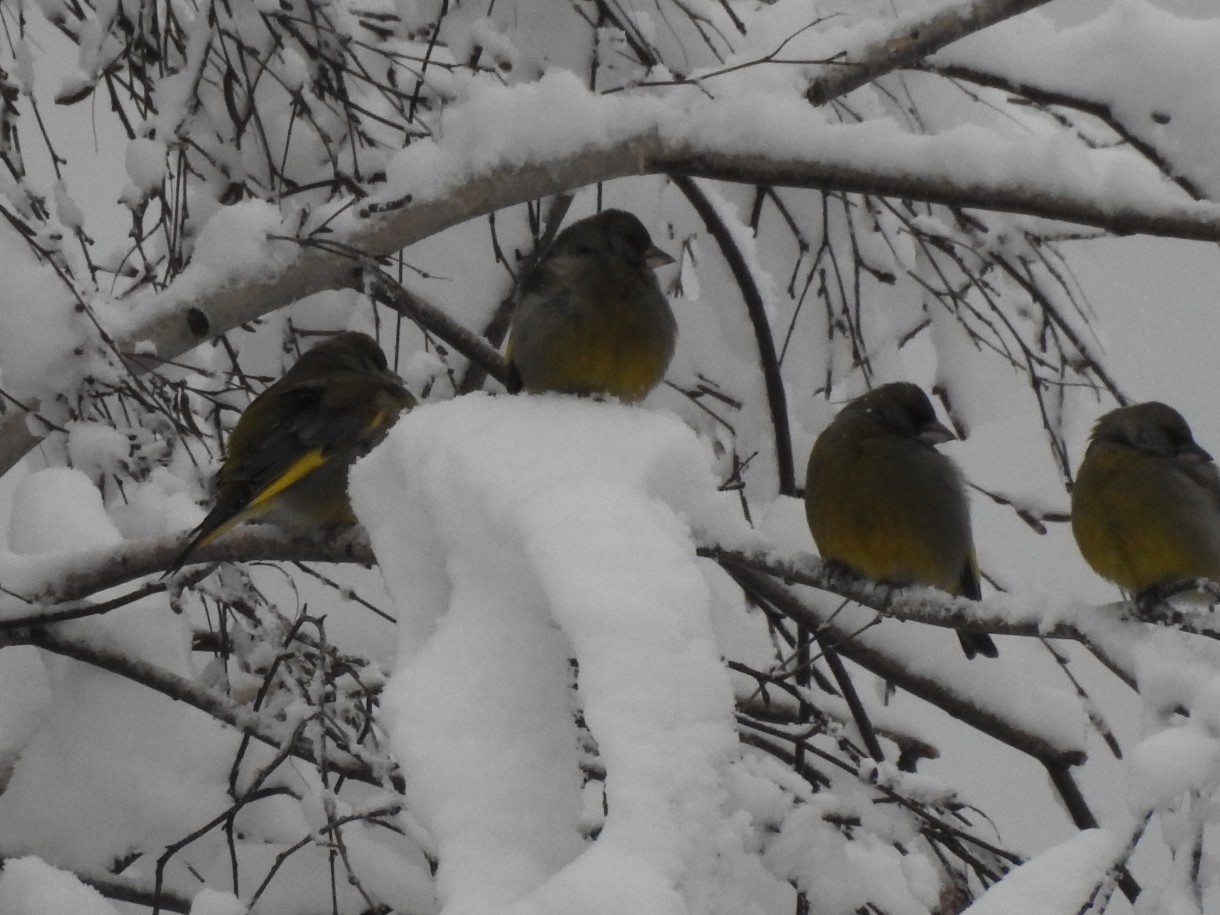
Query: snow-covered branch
(999, 615)
(951, 169)
(44, 591)
(910, 41)
(62, 584)
(221, 707)
(929, 687)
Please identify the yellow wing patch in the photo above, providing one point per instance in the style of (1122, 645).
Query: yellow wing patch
(306, 464)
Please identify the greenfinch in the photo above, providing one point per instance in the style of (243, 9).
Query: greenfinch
(1146, 504)
(591, 318)
(289, 453)
(882, 501)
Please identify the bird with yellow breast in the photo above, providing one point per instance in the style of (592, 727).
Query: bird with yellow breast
(591, 318)
(882, 501)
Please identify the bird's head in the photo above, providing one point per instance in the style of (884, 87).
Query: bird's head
(903, 409)
(1153, 428)
(346, 352)
(614, 232)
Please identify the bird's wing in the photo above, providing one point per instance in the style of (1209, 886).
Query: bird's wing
(1206, 476)
(290, 431)
(276, 433)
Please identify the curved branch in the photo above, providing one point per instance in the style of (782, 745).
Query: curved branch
(203, 304)
(757, 310)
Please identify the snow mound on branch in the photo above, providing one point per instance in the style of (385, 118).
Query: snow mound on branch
(59, 510)
(1057, 882)
(30, 886)
(515, 534)
(126, 765)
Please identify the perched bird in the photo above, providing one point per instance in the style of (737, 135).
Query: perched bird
(289, 453)
(590, 317)
(882, 501)
(1146, 504)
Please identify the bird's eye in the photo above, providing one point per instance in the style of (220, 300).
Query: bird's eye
(1182, 442)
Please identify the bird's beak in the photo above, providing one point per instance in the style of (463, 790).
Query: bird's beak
(1193, 453)
(935, 434)
(654, 257)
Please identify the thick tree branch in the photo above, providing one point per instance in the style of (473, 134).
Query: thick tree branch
(52, 589)
(103, 569)
(201, 306)
(757, 574)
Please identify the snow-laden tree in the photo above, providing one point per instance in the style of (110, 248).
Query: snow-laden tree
(581, 660)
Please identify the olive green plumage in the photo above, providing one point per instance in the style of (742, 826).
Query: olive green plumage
(289, 453)
(591, 318)
(881, 500)
(1146, 503)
